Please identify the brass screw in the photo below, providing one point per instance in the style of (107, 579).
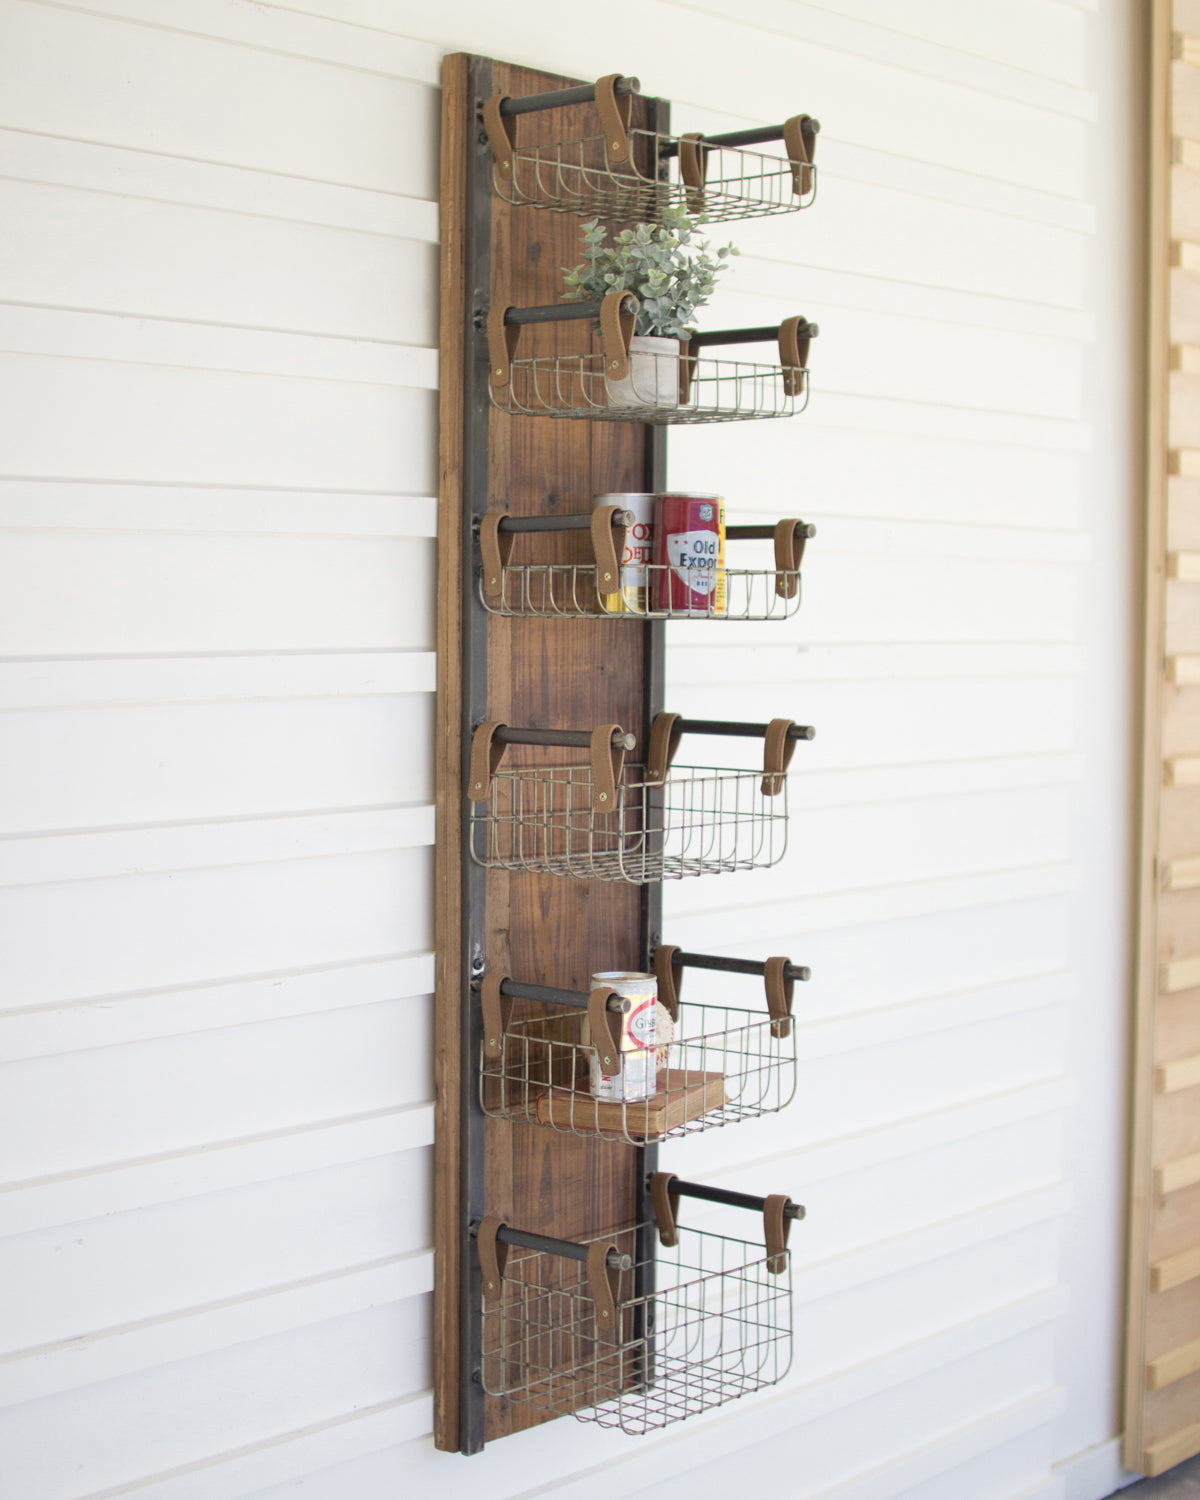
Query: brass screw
(491, 1286)
(479, 786)
(499, 372)
(604, 796)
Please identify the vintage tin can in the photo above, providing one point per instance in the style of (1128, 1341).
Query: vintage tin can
(637, 995)
(634, 597)
(689, 554)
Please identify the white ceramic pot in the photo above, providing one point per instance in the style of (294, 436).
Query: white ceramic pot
(653, 378)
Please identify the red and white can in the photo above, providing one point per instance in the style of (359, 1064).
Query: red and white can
(689, 553)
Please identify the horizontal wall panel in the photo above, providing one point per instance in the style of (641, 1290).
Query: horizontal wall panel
(124, 84)
(162, 930)
(179, 763)
(168, 260)
(108, 593)
(135, 423)
(155, 1262)
(151, 1098)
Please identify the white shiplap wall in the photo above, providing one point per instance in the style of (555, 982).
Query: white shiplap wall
(217, 313)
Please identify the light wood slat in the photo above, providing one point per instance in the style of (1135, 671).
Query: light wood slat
(1184, 463)
(1183, 874)
(1183, 1172)
(1174, 1270)
(1183, 974)
(1183, 1073)
(1173, 1450)
(1182, 770)
(1183, 671)
(1168, 1368)
(1186, 565)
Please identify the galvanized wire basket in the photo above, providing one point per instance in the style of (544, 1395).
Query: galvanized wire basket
(624, 174)
(710, 1065)
(617, 583)
(635, 1337)
(637, 823)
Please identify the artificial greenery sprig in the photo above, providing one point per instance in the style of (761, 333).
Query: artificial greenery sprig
(670, 272)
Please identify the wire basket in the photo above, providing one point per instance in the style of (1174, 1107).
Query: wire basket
(581, 177)
(712, 1065)
(625, 174)
(696, 1325)
(604, 588)
(654, 392)
(636, 823)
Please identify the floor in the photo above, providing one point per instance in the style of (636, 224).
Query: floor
(1182, 1483)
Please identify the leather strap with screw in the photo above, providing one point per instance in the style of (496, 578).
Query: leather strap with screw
(618, 315)
(778, 750)
(693, 168)
(664, 741)
(608, 762)
(608, 545)
(670, 977)
(779, 996)
(614, 110)
(497, 1009)
(486, 755)
(800, 149)
(776, 1226)
(502, 346)
(493, 1256)
(687, 368)
(604, 1282)
(790, 537)
(795, 337)
(501, 134)
(605, 1026)
(495, 548)
(666, 1207)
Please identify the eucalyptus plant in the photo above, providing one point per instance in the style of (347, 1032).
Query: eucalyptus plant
(664, 265)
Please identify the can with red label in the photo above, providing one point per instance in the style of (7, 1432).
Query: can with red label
(689, 553)
(636, 998)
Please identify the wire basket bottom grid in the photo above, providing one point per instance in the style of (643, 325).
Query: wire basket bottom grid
(717, 1326)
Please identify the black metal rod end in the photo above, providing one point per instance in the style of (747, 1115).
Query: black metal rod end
(802, 732)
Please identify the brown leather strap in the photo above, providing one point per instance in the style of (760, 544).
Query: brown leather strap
(618, 314)
(776, 1226)
(777, 756)
(493, 1256)
(495, 548)
(486, 756)
(779, 996)
(800, 153)
(790, 537)
(664, 741)
(670, 977)
(501, 134)
(605, 1284)
(613, 109)
(497, 1008)
(687, 368)
(794, 341)
(693, 167)
(605, 1027)
(608, 761)
(502, 345)
(608, 543)
(666, 1207)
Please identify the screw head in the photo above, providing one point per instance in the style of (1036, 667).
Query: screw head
(491, 1286)
(479, 786)
(604, 796)
(499, 372)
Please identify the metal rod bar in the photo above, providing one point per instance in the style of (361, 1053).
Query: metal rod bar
(579, 739)
(756, 533)
(568, 1249)
(553, 312)
(565, 523)
(582, 93)
(732, 1199)
(545, 994)
(756, 137)
(735, 729)
(710, 339)
(734, 965)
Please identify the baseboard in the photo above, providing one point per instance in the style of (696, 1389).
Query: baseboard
(1095, 1473)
